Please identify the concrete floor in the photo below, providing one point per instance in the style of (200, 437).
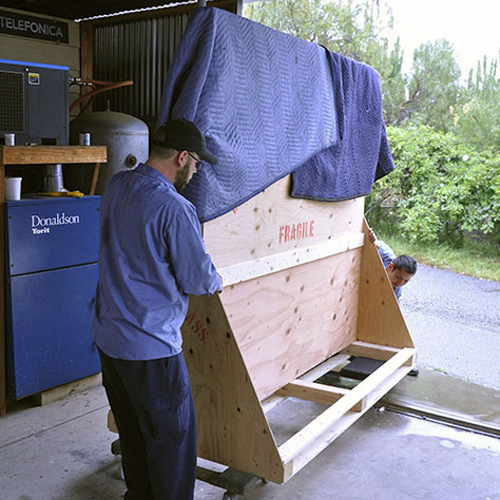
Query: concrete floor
(62, 451)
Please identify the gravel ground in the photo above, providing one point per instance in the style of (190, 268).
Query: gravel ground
(454, 321)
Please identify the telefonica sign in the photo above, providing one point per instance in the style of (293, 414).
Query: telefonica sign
(33, 27)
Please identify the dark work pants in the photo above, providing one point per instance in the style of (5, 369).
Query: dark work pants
(153, 409)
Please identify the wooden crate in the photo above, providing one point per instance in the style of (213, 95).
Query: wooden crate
(303, 290)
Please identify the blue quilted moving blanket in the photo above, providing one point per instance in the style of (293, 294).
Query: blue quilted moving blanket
(263, 99)
(271, 104)
(349, 168)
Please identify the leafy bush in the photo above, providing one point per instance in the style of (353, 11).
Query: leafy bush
(442, 189)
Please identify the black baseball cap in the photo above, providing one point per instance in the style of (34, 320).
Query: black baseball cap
(181, 134)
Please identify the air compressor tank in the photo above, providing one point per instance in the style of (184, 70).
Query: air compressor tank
(127, 141)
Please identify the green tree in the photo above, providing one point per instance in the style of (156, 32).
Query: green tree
(478, 118)
(344, 26)
(434, 90)
(394, 84)
(355, 29)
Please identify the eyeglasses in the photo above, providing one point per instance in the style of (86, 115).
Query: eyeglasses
(198, 163)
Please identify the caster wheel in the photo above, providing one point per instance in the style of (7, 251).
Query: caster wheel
(230, 496)
(116, 447)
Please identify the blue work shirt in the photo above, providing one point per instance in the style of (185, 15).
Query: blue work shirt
(387, 255)
(151, 257)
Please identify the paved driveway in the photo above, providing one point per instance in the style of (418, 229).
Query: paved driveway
(454, 321)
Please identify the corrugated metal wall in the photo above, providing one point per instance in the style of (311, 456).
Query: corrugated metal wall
(141, 51)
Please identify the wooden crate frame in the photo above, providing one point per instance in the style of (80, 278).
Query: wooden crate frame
(303, 290)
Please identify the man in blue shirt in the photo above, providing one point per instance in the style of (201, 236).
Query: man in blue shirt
(399, 269)
(151, 258)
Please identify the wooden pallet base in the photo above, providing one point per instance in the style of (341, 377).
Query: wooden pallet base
(345, 406)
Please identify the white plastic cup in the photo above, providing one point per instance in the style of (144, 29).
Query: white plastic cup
(13, 188)
(10, 139)
(84, 139)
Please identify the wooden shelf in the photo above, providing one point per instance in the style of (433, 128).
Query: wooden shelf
(43, 155)
(35, 155)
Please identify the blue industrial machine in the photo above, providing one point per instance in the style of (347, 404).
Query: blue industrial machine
(34, 102)
(51, 270)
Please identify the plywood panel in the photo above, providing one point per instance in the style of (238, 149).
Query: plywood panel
(232, 427)
(380, 320)
(278, 262)
(290, 321)
(273, 223)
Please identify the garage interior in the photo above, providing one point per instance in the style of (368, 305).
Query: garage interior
(328, 433)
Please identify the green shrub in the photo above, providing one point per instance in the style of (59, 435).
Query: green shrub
(441, 190)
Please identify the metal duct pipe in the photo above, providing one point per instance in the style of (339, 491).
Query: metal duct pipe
(53, 179)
